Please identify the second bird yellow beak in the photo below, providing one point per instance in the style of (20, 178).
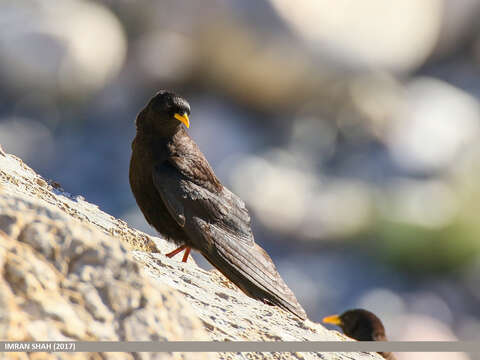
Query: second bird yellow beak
(333, 319)
(183, 119)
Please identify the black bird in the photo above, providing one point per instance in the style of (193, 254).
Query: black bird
(361, 325)
(180, 196)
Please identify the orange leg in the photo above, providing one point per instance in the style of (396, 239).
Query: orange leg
(185, 256)
(180, 249)
(176, 251)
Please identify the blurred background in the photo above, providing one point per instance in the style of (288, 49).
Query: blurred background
(350, 128)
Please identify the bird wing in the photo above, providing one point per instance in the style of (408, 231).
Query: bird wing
(224, 211)
(218, 225)
(186, 157)
(169, 190)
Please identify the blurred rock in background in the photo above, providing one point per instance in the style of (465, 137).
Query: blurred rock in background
(350, 129)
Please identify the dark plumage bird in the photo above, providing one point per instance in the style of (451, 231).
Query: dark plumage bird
(180, 196)
(361, 325)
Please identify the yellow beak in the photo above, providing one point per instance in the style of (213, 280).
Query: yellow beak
(183, 119)
(333, 319)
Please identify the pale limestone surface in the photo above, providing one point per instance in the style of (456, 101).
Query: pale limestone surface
(66, 273)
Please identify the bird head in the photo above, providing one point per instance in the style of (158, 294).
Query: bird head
(359, 324)
(164, 113)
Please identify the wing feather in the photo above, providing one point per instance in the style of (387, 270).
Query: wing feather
(218, 225)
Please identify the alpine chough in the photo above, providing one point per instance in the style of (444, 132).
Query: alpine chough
(180, 196)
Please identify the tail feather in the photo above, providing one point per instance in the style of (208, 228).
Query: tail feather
(250, 268)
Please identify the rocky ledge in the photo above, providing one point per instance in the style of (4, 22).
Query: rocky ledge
(69, 271)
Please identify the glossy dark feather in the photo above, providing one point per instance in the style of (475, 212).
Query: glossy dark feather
(181, 197)
(364, 325)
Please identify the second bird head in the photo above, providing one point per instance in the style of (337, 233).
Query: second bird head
(359, 324)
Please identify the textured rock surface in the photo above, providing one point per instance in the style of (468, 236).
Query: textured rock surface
(65, 274)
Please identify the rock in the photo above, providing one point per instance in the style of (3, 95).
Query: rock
(69, 271)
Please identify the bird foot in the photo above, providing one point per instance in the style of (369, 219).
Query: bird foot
(178, 250)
